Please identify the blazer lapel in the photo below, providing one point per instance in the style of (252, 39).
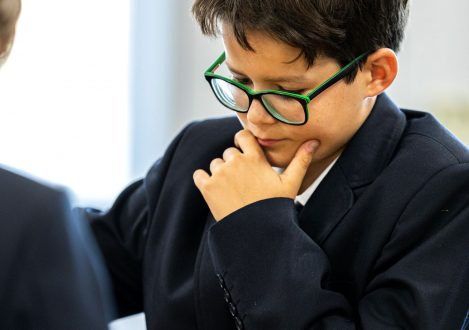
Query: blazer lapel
(364, 158)
(327, 206)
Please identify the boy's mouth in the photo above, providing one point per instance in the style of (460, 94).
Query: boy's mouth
(268, 142)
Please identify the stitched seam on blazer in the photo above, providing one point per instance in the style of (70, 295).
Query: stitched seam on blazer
(441, 144)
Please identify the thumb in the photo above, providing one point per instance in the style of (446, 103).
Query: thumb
(296, 170)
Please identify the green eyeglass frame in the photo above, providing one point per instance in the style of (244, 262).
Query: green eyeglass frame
(303, 99)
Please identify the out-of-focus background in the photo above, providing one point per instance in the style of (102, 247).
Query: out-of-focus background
(95, 90)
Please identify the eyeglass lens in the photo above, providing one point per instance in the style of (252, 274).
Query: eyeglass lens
(282, 107)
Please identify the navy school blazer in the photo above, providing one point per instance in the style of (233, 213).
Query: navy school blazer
(51, 277)
(383, 243)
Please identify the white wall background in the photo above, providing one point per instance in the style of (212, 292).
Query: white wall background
(95, 90)
(434, 66)
(64, 96)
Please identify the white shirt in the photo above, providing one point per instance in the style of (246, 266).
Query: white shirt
(306, 195)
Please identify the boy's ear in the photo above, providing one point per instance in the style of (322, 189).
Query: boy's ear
(382, 67)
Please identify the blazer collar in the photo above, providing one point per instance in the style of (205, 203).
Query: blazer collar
(372, 147)
(365, 156)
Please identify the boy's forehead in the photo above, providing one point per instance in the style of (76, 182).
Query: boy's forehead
(264, 48)
(262, 44)
(272, 57)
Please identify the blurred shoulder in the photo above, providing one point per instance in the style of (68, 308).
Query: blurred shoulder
(14, 183)
(24, 200)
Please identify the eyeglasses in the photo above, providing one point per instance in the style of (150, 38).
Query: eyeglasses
(289, 108)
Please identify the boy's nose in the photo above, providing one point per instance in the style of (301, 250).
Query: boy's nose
(258, 115)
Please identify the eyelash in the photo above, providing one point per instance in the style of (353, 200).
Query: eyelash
(246, 82)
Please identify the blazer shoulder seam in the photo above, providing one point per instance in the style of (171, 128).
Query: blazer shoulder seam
(458, 160)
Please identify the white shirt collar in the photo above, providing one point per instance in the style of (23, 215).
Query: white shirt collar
(306, 195)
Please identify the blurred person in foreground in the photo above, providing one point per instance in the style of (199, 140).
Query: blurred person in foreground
(51, 277)
(320, 205)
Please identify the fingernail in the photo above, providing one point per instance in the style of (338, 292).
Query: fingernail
(312, 145)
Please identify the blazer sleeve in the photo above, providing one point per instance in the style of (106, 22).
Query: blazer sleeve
(51, 275)
(274, 274)
(68, 287)
(121, 232)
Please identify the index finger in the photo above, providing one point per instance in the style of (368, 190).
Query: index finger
(247, 142)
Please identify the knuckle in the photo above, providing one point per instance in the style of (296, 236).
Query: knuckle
(197, 177)
(231, 154)
(243, 134)
(227, 152)
(215, 165)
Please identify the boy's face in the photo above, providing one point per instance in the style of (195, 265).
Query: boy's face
(334, 116)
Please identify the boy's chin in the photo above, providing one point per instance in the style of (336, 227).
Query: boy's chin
(275, 160)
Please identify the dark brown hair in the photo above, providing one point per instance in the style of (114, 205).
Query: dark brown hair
(339, 29)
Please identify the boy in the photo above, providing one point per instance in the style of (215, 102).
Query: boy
(323, 206)
(50, 275)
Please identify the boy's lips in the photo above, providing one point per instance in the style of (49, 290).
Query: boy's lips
(268, 142)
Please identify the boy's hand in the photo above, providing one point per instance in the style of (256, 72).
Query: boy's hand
(244, 176)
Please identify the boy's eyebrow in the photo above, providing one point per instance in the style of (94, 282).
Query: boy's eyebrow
(271, 79)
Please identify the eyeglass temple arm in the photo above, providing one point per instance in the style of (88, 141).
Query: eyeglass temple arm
(337, 77)
(215, 64)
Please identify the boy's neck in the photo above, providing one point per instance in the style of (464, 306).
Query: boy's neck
(317, 167)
